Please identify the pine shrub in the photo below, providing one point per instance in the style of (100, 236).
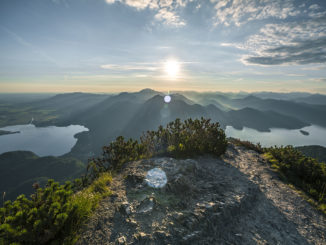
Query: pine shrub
(304, 172)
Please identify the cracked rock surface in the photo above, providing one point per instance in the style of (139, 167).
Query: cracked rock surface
(235, 199)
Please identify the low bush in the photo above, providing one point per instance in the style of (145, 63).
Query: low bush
(178, 139)
(186, 139)
(52, 215)
(304, 172)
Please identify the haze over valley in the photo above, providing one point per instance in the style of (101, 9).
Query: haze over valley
(103, 117)
(131, 114)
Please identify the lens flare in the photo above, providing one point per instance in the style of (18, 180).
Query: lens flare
(156, 178)
(167, 99)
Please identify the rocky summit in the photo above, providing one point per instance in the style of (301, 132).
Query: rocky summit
(236, 199)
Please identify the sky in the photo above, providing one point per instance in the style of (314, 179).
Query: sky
(127, 45)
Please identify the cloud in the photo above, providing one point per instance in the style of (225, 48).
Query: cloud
(165, 9)
(239, 12)
(291, 41)
(169, 18)
(131, 67)
(165, 3)
(138, 4)
(321, 79)
(142, 4)
(305, 52)
(314, 68)
(314, 6)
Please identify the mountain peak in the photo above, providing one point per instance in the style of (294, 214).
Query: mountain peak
(147, 90)
(205, 200)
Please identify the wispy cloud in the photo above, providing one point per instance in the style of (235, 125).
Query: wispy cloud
(303, 52)
(166, 10)
(239, 12)
(169, 18)
(142, 4)
(292, 42)
(314, 68)
(131, 67)
(320, 79)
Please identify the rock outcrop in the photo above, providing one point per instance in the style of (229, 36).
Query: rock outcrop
(233, 200)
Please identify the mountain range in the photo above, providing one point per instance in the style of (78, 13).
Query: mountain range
(130, 114)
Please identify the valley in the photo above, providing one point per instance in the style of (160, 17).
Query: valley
(106, 116)
(129, 114)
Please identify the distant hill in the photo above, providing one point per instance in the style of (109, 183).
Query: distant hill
(20, 169)
(281, 96)
(68, 105)
(19, 98)
(317, 99)
(183, 98)
(262, 120)
(70, 100)
(219, 105)
(315, 114)
(47, 110)
(129, 114)
(155, 112)
(315, 151)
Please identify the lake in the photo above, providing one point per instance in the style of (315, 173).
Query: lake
(57, 141)
(43, 141)
(278, 136)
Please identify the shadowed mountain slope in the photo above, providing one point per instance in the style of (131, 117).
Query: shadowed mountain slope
(262, 120)
(317, 99)
(20, 169)
(314, 114)
(129, 114)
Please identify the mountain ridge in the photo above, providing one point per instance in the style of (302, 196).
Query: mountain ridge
(236, 199)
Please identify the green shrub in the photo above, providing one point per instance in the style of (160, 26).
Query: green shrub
(114, 156)
(87, 200)
(177, 139)
(37, 220)
(304, 172)
(52, 215)
(186, 139)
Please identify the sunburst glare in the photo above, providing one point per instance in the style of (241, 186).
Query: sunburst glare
(172, 68)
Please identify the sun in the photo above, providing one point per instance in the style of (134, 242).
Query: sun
(172, 68)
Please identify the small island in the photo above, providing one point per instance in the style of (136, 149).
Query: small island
(3, 132)
(304, 132)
